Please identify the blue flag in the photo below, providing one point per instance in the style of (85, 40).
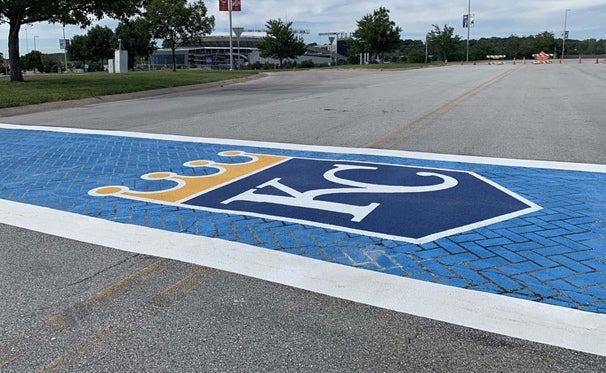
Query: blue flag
(468, 20)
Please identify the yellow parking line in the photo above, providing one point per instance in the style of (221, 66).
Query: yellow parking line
(62, 320)
(97, 342)
(183, 286)
(12, 358)
(105, 337)
(445, 107)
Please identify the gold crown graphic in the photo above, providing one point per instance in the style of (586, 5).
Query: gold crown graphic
(188, 187)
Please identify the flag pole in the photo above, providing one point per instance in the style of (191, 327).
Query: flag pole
(231, 46)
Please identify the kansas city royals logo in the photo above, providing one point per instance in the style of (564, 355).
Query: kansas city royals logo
(389, 201)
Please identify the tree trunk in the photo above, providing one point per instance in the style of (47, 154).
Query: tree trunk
(174, 50)
(13, 51)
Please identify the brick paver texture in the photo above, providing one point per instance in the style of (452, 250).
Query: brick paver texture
(556, 255)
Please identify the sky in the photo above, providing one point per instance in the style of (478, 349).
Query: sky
(585, 19)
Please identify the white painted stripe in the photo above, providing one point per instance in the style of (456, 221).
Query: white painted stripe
(567, 166)
(558, 326)
(421, 240)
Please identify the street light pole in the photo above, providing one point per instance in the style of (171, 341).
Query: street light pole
(26, 38)
(231, 45)
(35, 36)
(468, 26)
(564, 33)
(426, 50)
(64, 48)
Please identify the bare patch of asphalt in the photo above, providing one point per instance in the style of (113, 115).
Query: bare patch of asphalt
(59, 105)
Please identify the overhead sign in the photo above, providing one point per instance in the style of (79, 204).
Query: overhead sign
(236, 5)
(383, 200)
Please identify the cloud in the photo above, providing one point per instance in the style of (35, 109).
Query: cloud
(493, 18)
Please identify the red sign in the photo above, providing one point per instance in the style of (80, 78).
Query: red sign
(236, 5)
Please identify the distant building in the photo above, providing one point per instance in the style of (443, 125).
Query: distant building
(214, 53)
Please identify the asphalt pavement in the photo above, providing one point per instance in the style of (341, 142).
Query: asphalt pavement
(83, 307)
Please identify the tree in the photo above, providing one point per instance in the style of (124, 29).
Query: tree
(33, 61)
(443, 43)
(101, 43)
(136, 38)
(78, 12)
(98, 44)
(482, 48)
(78, 50)
(412, 51)
(281, 42)
(376, 34)
(544, 41)
(178, 23)
(2, 68)
(514, 47)
(51, 63)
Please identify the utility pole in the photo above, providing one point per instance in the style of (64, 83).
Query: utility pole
(564, 36)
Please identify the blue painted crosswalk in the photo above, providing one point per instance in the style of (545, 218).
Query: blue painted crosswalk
(553, 252)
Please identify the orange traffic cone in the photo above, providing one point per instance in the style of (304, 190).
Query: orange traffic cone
(580, 60)
(597, 60)
(560, 61)
(514, 61)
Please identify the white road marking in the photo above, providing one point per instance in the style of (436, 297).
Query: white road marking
(566, 166)
(533, 321)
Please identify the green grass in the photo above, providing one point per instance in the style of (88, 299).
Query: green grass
(48, 88)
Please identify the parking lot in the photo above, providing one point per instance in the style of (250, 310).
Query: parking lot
(533, 131)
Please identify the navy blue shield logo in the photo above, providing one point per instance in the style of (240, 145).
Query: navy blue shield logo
(398, 202)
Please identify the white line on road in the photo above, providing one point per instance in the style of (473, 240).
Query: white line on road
(533, 321)
(567, 166)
